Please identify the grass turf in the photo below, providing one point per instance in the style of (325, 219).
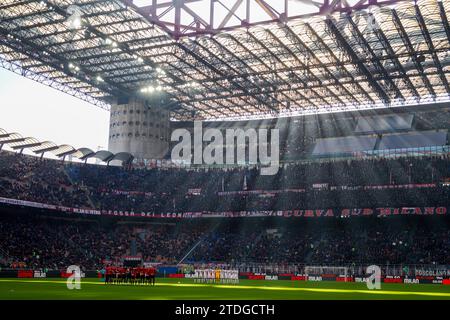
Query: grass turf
(174, 289)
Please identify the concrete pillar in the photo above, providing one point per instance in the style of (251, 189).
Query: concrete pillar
(140, 128)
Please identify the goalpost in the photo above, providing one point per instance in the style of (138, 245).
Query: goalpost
(342, 272)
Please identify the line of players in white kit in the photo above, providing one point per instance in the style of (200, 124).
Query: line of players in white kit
(215, 276)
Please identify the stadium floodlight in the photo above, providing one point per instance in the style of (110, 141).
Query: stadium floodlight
(100, 79)
(191, 84)
(110, 42)
(45, 4)
(75, 23)
(160, 71)
(75, 19)
(12, 37)
(151, 89)
(73, 67)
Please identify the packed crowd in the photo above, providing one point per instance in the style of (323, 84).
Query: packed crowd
(315, 185)
(41, 242)
(168, 243)
(27, 178)
(57, 244)
(35, 241)
(335, 243)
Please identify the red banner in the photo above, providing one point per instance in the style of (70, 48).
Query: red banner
(176, 275)
(25, 274)
(307, 213)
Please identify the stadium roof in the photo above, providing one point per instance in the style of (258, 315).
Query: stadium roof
(17, 142)
(345, 55)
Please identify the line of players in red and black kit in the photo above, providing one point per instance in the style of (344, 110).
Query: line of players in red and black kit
(136, 276)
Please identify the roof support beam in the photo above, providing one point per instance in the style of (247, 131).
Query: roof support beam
(230, 13)
(230, 67)
(172, 14)
(62, 32)
(252, 71)
(28, 145)
(42, 151)
(244, 72)
(444, 19)
(376, 61)
(15, 4)
(337, 62)
(176, 87)
(305, 85)
(426, 35)
(342, 42)
(53, 60)
(66, 153)
(300, 43)
(217, 71)
(13, 140)
(413, 54)
(394, 58)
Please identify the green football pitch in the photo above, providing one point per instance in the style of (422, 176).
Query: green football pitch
(174, 289)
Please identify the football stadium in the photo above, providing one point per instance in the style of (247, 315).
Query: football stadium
(257, 150)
